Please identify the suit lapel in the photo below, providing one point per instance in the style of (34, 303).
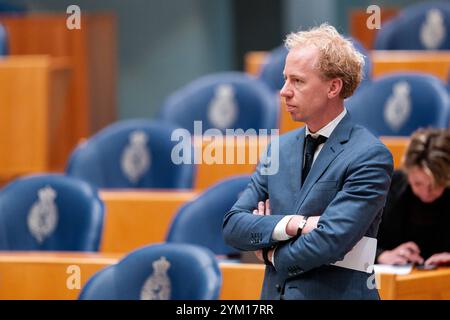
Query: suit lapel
(296, 165)
(331, 149)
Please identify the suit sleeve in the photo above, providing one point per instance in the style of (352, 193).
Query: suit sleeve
(241, 228)
(346, 219)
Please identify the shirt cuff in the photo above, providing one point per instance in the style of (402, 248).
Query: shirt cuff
(279, 233)
(273, 257)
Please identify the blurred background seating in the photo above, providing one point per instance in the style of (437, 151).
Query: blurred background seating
(223, 101)
(50, 213)
(131, 154)
(158, 272)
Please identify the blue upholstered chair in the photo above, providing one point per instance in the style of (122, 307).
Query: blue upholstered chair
(423, 26)
(50, 212)
(170, 271)
(200, 221)
(132, 154)
(398, 104)
(3, 41)
(230, 100)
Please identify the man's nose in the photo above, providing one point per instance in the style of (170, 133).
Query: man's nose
(285, 91)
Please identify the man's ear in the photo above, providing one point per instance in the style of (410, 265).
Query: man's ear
(335, 87)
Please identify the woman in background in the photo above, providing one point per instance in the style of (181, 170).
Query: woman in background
(416, 220)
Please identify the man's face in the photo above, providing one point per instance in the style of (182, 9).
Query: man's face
(423, 185)
(305, 92)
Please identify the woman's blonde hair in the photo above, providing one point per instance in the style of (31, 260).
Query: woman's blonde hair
(338, 57)
(429, 150)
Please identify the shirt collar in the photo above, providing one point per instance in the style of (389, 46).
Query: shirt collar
(328, 129)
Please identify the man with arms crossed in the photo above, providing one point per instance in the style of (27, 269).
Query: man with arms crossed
(331, 185)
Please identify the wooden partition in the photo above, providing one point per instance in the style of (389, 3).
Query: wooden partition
(33, 114)
(436, 63)
(91, 52)
(418, 285)
(397, 146)
(137, 218)
(237, 156)
(50, 275)
(209, 174)
(358, 25)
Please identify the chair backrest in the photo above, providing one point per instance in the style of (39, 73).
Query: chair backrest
(50, 212)
(169, 271)
(230, 100)
(132, 154)
(3, 41)
(424, 26)
(399, 104)
(271, 72)
(200, 221)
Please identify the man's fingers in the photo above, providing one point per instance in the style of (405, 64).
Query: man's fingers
(261, 207)
(268, 211)
(258, 254)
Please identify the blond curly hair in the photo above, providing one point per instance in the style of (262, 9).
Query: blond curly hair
(338, 57)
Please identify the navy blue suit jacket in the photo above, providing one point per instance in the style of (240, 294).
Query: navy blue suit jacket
(347, 187)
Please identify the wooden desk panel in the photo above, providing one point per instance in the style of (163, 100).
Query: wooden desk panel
(436, 63)
(419, 285)
(33, 99)
(137, 218)
(44, 275)
(243, 156)
(92, 54)
(241, 281)
(397, 146)
(253, 61)
(209, 174)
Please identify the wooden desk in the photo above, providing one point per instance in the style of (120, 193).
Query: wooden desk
(419, 285)
(92, 54)
(33, 114)
(209, 174)
(241, 281)
(44, 275)
(397, 146)
(436, 63)
(243, 155)
(137, 218)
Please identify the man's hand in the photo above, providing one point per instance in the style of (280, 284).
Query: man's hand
(263, 210)
(407, 252)
(439, 258)
(292, 226)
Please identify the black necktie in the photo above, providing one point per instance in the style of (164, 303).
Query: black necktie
(311, 145)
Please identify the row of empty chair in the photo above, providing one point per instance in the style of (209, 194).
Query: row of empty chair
(60, 213)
